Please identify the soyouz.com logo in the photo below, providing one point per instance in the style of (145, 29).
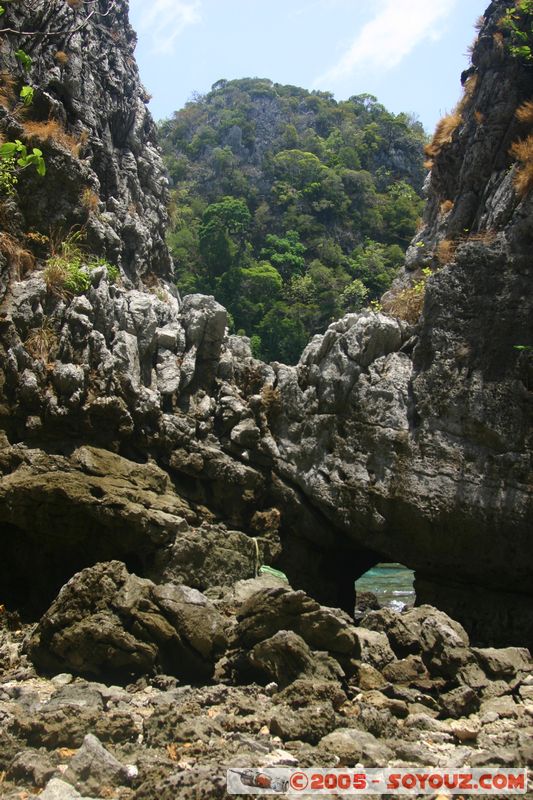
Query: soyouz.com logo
(294, 782)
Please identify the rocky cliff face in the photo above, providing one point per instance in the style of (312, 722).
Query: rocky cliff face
(134, 428)
(89, 117)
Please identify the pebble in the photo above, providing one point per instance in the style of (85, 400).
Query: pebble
(63, 679)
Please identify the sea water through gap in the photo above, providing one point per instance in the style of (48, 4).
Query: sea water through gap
(391, 583)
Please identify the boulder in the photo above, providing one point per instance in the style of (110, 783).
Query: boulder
(442, 643)
(285, 656)
(108, 622)
(354, 746)
(505, 663)
(281, 608)
(373, 648)
(93, 768)
(308, 724)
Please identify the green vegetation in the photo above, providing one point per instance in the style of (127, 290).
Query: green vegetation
(68, 271)
(408, 303)
(27, 94)
(24, 59)
(291, 208)
(518, 20)
(14, 157)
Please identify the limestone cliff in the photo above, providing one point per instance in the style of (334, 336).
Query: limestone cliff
(134, 428)
(89, 117)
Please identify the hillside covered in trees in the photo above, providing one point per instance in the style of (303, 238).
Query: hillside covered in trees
(289, 207)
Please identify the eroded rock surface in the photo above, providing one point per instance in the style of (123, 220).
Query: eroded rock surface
(286, 702)
(135, 428)
(108, 623)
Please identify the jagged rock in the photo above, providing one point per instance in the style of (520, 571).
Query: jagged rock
(405, 670)
(208, 556)
(309, 724)
(440, 641)
(502, 706)
(33, 766)
(302, 691)
(108, 622)
(243, 590)
(108, 507)
(354, 746)
(386, 440)
(58, 789)
(271, 610)
(285, 656)
(459, 702)
(186, 784)
(98, 102)
(373, 648)
(169, 724)
(368, 677)
(93, 768)
(133, 428)
(345, 746)
(55, 727)
(506, 663)
(379, 700)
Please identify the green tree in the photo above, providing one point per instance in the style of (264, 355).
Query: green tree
(376, 265)
(282, 335)
(222, 234)
(401, 212)
(274, 183)
(286, 253)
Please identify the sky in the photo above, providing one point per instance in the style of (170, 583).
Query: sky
(408, 53)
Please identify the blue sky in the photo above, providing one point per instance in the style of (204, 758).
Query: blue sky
(409, 53)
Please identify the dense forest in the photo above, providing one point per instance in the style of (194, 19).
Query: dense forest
(289, 207)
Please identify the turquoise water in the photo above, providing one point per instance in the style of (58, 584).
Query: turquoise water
(391, 583)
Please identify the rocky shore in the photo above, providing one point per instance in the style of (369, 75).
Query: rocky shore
(127, 689)
(149, 465)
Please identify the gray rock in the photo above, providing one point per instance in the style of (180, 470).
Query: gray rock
(170, 337)
(459, 702)
(304, 691)
(441, 642)
(285, 656)
(68, 379)
(309, 724)
(506, 663)
(168, 371)
(405, 670)
(387, 440)
(93, 768)
(58, 789)
(108, 622)
(373, 648)
(280, 608)
(31, 766)
(354, 746)
(246, 434)
(345, 745)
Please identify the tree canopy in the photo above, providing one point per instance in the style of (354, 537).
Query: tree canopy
(291, 208)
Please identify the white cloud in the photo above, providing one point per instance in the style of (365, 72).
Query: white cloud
(398, 27)
(165, 20)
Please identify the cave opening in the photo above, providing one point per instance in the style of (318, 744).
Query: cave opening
(33, 568)
(391, 583)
